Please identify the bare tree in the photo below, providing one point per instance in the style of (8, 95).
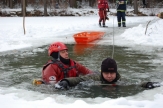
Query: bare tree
(8, 3)
(23, 4)
(45, 7)
(73, 3)
(148, 3)
(11, 4)
(24, 13)
(92, 3)
(135, 7)
(64, 4)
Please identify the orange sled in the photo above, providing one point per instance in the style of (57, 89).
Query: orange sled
(86, 37)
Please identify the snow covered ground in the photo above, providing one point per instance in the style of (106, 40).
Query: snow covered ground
(44, 30)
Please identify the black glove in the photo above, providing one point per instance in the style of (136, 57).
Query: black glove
(106, 18)
(150, 85)
(62, 85)
(118, 2)
(108, 10)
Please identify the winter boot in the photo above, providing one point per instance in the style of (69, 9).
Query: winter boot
(119, 25)
(103, 24)
(100, 24)
(124, 25)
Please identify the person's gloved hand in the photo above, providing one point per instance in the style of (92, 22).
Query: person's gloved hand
(150, 85)
(106, 18)
(62, 85)
(118, 2)
(108, 10)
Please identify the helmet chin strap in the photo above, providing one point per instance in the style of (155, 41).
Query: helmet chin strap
(58, 56)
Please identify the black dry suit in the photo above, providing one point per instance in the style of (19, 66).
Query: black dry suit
(96, 77)
(103, 81)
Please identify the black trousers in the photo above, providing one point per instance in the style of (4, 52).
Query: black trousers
(121, 18)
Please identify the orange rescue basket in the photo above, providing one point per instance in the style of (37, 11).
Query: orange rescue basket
(86, 37)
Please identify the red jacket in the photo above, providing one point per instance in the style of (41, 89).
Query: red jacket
(103, 4)
(52, 72)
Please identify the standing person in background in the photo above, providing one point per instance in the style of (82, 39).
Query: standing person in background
(61, 66)
(103, 9)
(121, 9)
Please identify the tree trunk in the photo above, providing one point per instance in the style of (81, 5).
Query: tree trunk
(11, 4)
(148, 3)
(135, 7)
(45, 7)
(3, 4)
(3, 1)
(23, 2)
(24, 13)
(8, 3)
(91, 3)
(73, 3)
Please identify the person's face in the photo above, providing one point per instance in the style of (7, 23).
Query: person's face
(109, 76)
(64, 54)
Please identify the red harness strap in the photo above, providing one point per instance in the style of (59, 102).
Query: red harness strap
(61, 66)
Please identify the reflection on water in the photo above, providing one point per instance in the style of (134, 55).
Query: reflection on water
(80, 49)
(19, 68)
(104, 91)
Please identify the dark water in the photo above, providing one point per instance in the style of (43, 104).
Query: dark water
(18, 68)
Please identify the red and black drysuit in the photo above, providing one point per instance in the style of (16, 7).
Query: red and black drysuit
(103, 9)
(55, 71)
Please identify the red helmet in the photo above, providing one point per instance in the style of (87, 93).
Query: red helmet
(56, 47)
